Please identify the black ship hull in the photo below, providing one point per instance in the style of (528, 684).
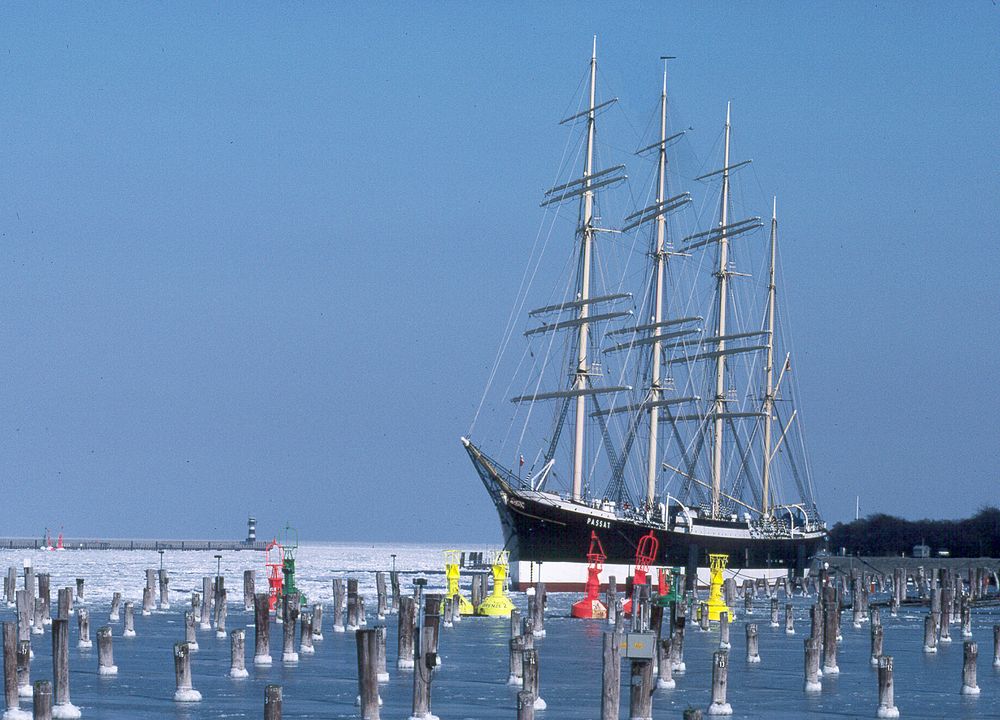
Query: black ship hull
(548, 537)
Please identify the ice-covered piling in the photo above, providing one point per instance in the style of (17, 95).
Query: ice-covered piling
(272, 702)
(306, 634)
(830, 617)
(538, 613)
(262, 630)
(185, 692)
(611, 600)
(877, 636)
(24, 668)
(248, 589)
(116, 601)
(774, 611)
(290, 616)
(383, 597)
(640, 704)
(996, 646)
(237, 652)
(353, 606)
(368, 673)
(382, 665)
(164, 581)
(42, 700)
(664, 668)
(525, 705)
(45, 595)
(812, 650)
(423, 672)
(105, 652)
(317, 621)
(83, 625)
(529, 675)
(405, 624)
(930, 633)
(338, 605)
(63, 708)
(677, 641)
(724, 643)
(64, 609)
(970, 655)
(206, 603)
(966, 620)
(148, 604)
(221, 610)
(11, 696)
(886, 702)
(753, 653)
(129, 620)
(516, 665)
(789, 619)
(611, 676)
(38, 617)
(24, 612)
(720, 683)
(10, 585)
(190, 636)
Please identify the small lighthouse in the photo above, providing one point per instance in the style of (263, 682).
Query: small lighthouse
(251, 530)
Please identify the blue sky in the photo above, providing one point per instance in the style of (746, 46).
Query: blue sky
(257, 258)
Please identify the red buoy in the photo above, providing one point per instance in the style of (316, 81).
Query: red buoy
(591, 606)
(645, 555)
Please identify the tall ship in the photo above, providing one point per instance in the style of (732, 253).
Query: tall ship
(653, 395)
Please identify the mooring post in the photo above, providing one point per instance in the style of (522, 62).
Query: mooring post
(150, 578)
(394, 584)
(182, 672)
(753, 654)
(874, 616)
(966, 620)
(221, 611)
(541, 599)
(423, 672)
(516, 663)
(45, 595)
(290, 616)
(930, 634)
(525, 705)
(24, 668)
(877, 635)
(406, 620)
(24, 613)
(724, 643)
(830, 640)
(116, 602)
(886, 702)
(63, 708)
(10, 670)
(129, 630)
(611, 600)
(83, 625)
(317, 622)
(969, 657)
(774, 610)
(190, 637)
(677, 642)
(747, 598)
(338, 605)
(383, 596)
(105, 652)
(446, 616)
(29, 584)
(79, 589)
(249, 589)
(206, 603)
(382, 665)
(720, 681)
(368, 673)
(147, 601)
(306, 634)
(529, 674)
(42, 700)
(262, 629)
(10, 586)
(272, 702)
(996, 646)
(353, 609)
(65, 599)
(812, 683)
(789, 619)
(641, 695)
(237, 654)
(38, 617)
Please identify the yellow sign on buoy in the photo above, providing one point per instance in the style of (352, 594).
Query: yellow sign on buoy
(716, 605)
(452, 573)
(498, 604)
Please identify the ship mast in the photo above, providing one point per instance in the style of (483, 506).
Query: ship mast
(720, 363)
(586, 235)
(769, 366)
(652, 464)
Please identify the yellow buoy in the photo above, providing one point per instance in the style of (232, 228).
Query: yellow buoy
(498, 604)
(716, 605)
(451, 572)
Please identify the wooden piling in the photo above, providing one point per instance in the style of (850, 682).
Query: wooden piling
(382, 608)
(65, 605)
(206, 603)
(677, 642)
(150, 578)
(641, 690)
(516, 663)
(237, 654)
(249, 589)
(38, 617)
(394, 585)
(930, 633)
(886, 702)
(877, 636)
(966, 620)
(789, 619)
(10, 585)
(116, 601)
(262, 629)
(720, 682)
(423, 672)
(317, 623)
(525, 706)
(539, 614)
(996, 646)
(529, 673)
(185, 692)
(406, 620)
(368, 673)
(83, 626)
(611, 600)
(306, 634)
(272, 702)
(747, 598)
(24, 668)
(812, 648)
(970, 656)
(105, 652)
(290, 616)
(45, 595)
(42, 700)
(62, 708)
(611, 676)
(753, 654)
(338, 605)
(24, 615)
(381, 662)
(221, 611)
(129, 630)
(774, 611)
(724, 643)
(11, 695)
(353, 606)
(830, 617)
(190, 636)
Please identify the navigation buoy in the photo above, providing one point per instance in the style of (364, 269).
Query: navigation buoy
(591, 606)
(716, 605)
(451, 571)
(645, 554)
(668, 590)
(275, 576)
(498, 604)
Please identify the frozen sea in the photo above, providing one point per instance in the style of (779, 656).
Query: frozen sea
(471, 682)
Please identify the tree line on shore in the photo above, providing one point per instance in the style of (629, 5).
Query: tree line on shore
(880, 534)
